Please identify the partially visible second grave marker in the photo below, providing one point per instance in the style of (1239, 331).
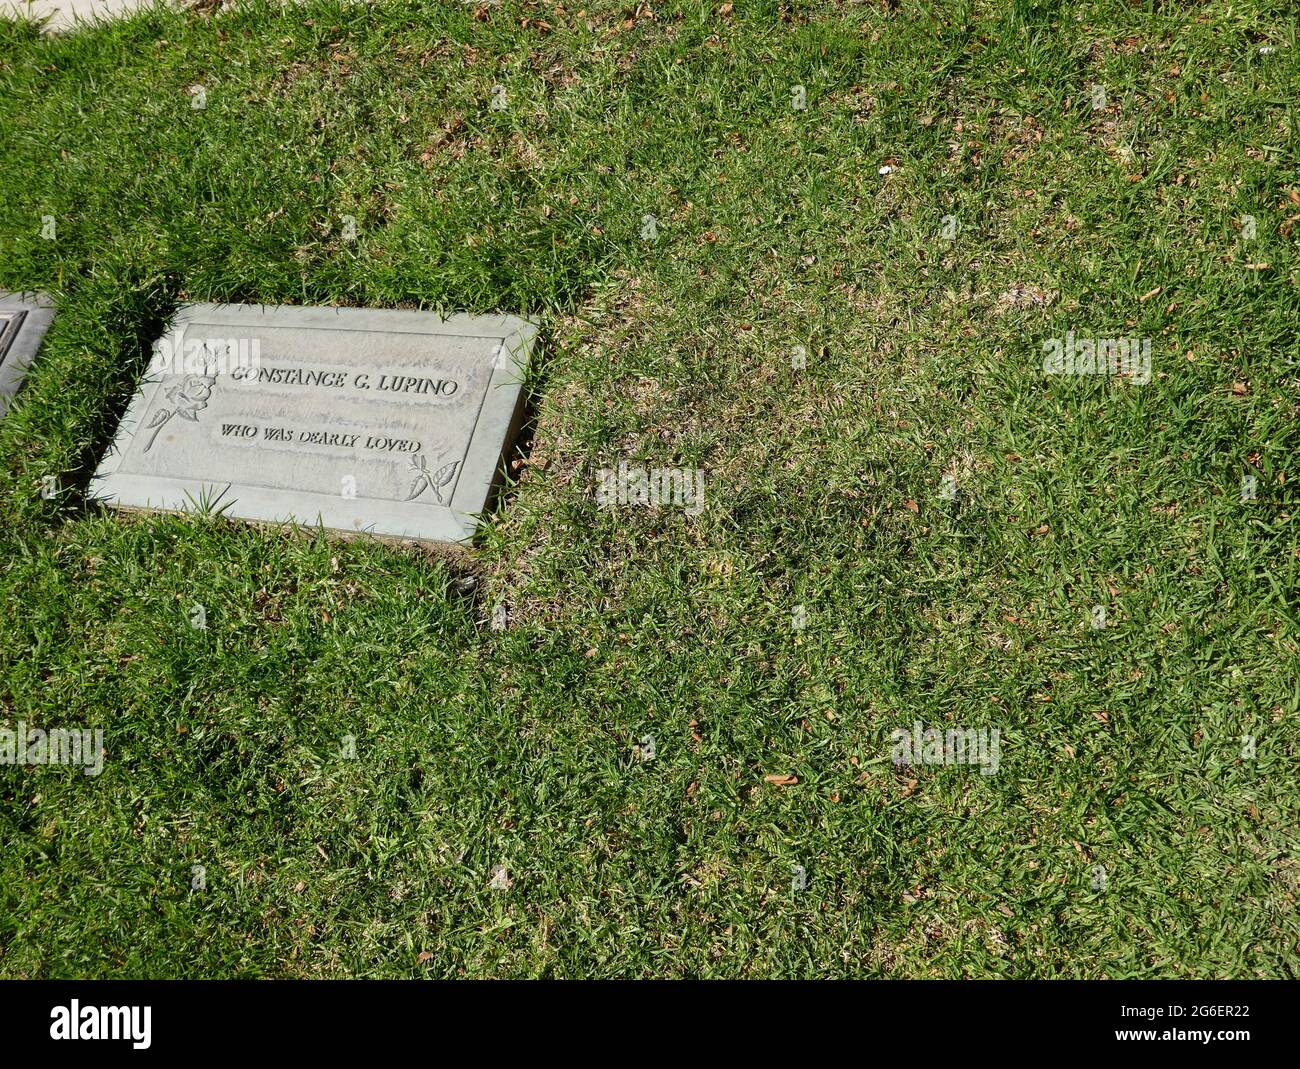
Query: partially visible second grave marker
(357, 419)
(24, 319)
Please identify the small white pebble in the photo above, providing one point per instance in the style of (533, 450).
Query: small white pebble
(886, 170)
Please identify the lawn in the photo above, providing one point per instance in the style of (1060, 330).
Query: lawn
(813, 250)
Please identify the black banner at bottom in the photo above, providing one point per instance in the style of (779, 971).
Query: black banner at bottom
(774, 1019)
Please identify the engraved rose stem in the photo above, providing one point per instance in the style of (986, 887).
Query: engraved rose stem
(157, 425)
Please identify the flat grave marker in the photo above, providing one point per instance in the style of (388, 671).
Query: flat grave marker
(357, 419)
(24, 319)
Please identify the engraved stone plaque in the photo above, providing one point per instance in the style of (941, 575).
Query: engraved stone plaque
(390, 422)
(9, 324)
(24, 319)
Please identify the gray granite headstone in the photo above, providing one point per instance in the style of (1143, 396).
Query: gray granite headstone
(356, 419)
(24, 319)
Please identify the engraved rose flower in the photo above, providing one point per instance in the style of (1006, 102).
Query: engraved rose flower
(189, 397)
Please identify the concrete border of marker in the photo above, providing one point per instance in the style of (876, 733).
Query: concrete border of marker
(64, 16)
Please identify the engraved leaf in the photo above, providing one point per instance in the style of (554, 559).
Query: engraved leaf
(189, 414)
(417, 487)
(159, 418)
(442, 477)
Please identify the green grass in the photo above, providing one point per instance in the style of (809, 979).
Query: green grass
(474, 748)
